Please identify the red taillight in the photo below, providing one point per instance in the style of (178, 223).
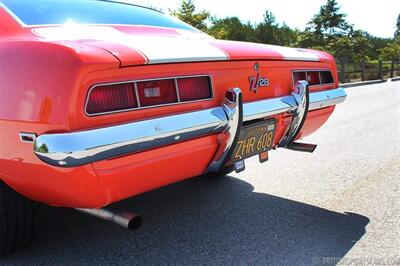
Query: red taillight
(110, 98)
(135, 95)
(297, 76)
(326, 77)
(313, 78)
(192, 89)
(157, 92)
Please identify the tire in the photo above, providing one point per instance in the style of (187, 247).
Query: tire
(226, 171)
(18, 220)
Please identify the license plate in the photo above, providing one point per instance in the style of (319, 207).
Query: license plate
(254, 139)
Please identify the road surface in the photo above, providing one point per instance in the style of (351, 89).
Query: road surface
(340, 204)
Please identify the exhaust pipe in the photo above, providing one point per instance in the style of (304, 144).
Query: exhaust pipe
(304, 147)
(126, 219)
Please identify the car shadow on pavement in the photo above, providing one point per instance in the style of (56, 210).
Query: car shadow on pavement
(199, 221)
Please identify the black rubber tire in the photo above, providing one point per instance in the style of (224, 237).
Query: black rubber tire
(18, 220)
(226, 171)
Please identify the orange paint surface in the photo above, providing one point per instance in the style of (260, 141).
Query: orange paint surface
(43, 89)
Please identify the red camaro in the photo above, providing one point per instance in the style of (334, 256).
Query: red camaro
(101, 101)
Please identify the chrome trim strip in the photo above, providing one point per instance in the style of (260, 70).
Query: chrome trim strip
(319, 100)
(79, 148)
(137, 94)
(265, 108)
(178, 94)
(84, 147)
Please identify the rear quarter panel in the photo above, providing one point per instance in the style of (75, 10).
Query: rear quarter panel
(38, 87)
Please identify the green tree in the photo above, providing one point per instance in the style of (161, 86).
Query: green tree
(329, 21)
(329, 30)
(287, 36)
(341, 47)
(328, 24)
(397, 33)
(269, 31)
(187, 13)
(377, 44)
(232, 28)
(361, 45)
(391, 52)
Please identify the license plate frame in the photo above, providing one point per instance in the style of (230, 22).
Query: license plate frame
(254, 139)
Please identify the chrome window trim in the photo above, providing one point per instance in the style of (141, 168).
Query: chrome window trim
(175, 78)
(33, 26)
(313, 70)
(13, 15)
(27, 26)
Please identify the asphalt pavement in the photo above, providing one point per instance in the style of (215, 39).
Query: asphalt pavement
(338, 205)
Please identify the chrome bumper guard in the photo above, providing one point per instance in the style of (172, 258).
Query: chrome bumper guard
(85, 147)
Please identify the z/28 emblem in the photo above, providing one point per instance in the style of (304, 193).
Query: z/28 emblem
(257, 82)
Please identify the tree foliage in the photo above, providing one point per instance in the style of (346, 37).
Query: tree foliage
(330, 31)
(391, 51)
(232, 28)
(269, 31)
(329, 22)
(327, 30)
(187, 13)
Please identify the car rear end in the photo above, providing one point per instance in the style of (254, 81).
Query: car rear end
(142, 127)
(135, 114)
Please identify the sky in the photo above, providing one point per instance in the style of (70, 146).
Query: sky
(378, 17)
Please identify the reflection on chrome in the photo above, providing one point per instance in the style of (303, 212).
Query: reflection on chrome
(301, 102)
(233, 107)
(84, 147)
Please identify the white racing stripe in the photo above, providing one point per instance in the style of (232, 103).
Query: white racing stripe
(161, 49)
(168, 50)
(295, 54)
(157, 49)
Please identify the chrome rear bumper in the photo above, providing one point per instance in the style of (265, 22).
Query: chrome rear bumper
(84, 147)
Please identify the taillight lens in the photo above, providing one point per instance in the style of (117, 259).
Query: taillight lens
(297, 76)
(134, 95)
(110, 98)
(157, 92)
(192, 89)
(314, 77)
(326, 77)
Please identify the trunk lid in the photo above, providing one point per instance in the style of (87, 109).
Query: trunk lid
(141, 45)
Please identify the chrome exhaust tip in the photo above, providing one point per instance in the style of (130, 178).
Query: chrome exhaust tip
(125, 219)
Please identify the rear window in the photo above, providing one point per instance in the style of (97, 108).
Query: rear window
(50, 12)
